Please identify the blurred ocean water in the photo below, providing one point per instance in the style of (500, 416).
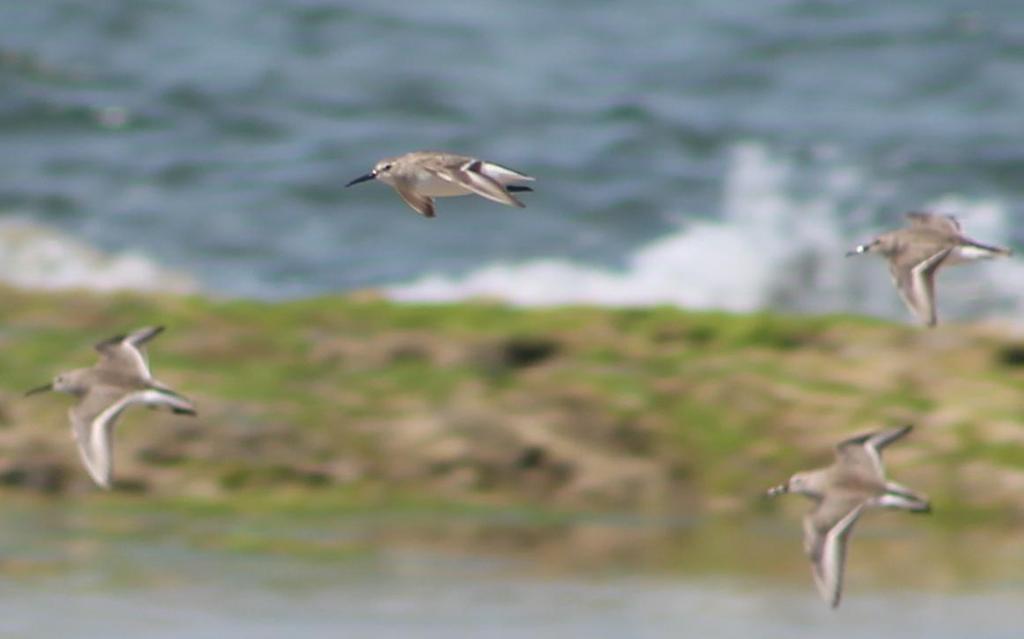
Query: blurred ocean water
(112, 571)
(704, 153)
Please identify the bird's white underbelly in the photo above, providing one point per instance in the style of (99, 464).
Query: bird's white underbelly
(436, 187)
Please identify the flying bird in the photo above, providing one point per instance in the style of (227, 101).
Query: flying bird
(917, 252)
(120, 379)
(421, 176)
(842, 492)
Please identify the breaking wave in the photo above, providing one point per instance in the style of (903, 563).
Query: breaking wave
(39, 257)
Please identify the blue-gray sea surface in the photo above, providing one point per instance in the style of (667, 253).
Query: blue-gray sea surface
(711, 153)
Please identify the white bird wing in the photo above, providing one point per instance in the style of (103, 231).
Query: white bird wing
(93, 419)
(502, 174)
(915, 281)
(126, 353)
(825, 541)
(92, 422)
(471, 177)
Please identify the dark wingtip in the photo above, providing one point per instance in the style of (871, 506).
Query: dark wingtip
(116, 339)
(145, 334)
(517, 188)
(901, 431)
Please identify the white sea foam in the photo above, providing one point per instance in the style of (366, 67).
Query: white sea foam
(35, 256)
(769, 249)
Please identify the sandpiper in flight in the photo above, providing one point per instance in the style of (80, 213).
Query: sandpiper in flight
(916, 253)
(843, 491)
(423, 175)
(120, 379)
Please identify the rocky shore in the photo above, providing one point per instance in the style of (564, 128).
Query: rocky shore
(655, 411)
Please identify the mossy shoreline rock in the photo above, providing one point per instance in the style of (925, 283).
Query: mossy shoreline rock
(655, 410)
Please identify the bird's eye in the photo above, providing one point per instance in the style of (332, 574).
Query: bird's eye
(386, 167)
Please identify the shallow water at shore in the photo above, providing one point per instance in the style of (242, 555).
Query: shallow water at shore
(139, 570)
(456, 598)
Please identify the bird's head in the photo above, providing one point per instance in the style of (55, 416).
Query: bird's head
(64, 383)
(800, 483)
(381, 171)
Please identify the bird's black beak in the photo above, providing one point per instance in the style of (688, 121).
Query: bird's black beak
(362, 178)
(41, 389)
